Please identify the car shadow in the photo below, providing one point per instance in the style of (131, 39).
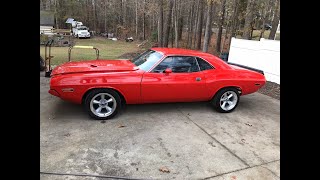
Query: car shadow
(67, 110)
(64, 109)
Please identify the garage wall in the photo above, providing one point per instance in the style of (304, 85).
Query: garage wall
(263, 54)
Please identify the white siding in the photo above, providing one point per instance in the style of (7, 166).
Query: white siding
(263, 54)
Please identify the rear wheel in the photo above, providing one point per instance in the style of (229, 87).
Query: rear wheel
(226, 100)
(102, 104)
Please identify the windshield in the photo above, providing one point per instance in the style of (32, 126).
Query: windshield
(82, 28)
(147, 59)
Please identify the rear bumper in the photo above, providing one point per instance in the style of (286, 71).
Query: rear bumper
(54, 92)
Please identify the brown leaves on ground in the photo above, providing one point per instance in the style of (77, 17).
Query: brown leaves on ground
(67, 135)
(164, 169)
(121, 126)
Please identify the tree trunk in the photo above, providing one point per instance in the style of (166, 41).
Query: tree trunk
(124, 13)
(160, 25)
(167, 25)
(199, 28)
(105, 16)
(234, 21)
(195, 25)
(94, 15)
(263, 29)
(208, 30)
(176, 23)
(227, 32)
(56, 14)
(180, 27)
(223, 9)
(136, 19)
(275, 21)
(144, 21)
(190, 23)
(249, 20)
(172, 30)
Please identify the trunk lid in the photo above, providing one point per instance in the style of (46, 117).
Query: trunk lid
(93, 66)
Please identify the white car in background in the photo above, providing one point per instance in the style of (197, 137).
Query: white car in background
(81, 32)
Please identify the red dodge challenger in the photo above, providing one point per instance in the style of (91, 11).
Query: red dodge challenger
(156, 76)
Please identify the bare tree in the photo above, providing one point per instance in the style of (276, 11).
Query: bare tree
(223, 10)
(144, 20)
(275, 21)
(234, 20)
(160, 24)
(105, 16)
(190, 25)
(176, 22)
(248, 20)
(195, 25)
(199, 25)
(136, 18)
(168, 24)
(208, 31)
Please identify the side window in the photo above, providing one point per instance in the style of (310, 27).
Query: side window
(184, 64)
(204, 65)
(166, 63)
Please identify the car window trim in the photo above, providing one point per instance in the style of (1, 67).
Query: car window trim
(165, 56)
(156, 64)
(205, 61)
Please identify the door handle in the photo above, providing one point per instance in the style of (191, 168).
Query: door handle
(198, 78)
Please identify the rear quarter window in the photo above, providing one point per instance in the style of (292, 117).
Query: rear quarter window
(204, 65)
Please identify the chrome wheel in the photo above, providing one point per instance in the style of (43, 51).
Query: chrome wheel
(103, 104)
(228, 100)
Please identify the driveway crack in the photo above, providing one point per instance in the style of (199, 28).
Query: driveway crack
(271, 171)
(261, 165)
(244, 162)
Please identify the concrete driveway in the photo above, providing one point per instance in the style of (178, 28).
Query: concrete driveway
(191, 140)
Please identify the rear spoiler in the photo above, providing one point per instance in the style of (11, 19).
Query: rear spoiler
(247, 67)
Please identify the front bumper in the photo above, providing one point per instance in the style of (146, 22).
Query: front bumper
(84, 35)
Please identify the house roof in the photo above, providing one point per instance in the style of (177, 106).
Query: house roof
(46, 18)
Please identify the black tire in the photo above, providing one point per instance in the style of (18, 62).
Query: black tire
(216, 100)
(95, 92)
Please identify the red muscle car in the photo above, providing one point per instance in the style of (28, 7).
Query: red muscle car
(156, 76)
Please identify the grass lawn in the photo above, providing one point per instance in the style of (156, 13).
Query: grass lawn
(108, 50)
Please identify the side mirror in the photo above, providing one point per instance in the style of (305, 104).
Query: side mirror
(168, 70)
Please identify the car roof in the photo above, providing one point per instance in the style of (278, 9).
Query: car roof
(214, 60)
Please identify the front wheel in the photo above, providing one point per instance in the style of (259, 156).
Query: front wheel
(102, 104)
(226, 100)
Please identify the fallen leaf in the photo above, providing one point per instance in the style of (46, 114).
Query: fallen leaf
(243, 140)
(121, 126)
(248, 124)
(67, 135)
(164, 169)
(233, 177)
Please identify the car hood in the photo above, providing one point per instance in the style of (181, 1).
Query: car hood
(93, 66)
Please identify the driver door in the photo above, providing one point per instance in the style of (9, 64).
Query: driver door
(185, 83)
